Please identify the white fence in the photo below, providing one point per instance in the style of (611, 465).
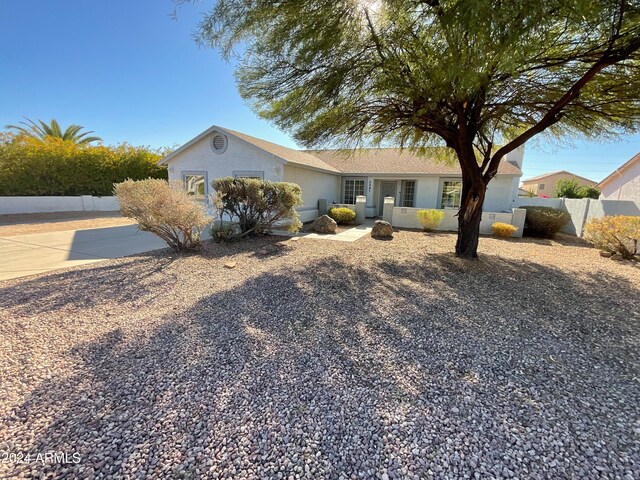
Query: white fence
(82, 203)
(584, 209)
(405, 217)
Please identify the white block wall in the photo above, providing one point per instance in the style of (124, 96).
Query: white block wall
(81, 203)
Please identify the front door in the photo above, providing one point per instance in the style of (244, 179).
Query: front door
(387, 189)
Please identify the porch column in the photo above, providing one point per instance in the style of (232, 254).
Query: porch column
(387, 209)
(361, 202)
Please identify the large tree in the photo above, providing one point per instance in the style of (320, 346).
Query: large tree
(480, 77)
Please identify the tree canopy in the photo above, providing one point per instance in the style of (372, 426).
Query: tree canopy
(480, 77)
(42, 130)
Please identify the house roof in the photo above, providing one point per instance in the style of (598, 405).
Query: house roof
(392, 161)
(550, 174)
(384, 161)
(620, 169)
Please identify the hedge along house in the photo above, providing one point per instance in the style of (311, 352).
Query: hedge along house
(414, 182)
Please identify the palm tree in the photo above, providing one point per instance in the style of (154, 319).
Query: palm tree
(43, 130)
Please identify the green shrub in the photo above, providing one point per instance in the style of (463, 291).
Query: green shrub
(257, 205)
(342, 215)
(572, 189)
(544, 221)
(164, 210)
(223, 231)
(587, 191)
(430, 219)
(617, 234)
(503, 230)
(53, 166)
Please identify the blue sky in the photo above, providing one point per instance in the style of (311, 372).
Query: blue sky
(130, 72)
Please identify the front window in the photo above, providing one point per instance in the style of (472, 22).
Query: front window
(541, 186)
(408, 193)
(451, 194)
(352, 188)
(195, 184)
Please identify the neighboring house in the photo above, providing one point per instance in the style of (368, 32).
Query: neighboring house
(545, 185)
(623, 183)
(376, 173)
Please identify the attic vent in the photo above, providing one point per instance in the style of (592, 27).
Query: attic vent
(218, 143)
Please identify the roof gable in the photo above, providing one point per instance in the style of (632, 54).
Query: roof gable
(382, 161)
(624, 166)
(558, 172)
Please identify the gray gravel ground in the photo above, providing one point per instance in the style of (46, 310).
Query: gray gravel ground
(315, 360)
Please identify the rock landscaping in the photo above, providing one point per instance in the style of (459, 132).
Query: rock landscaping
(382, 229)
(374, 360)
(324, 224)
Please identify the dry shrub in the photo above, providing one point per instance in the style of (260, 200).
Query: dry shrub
(256, 206)
(616, 234)
(163, 209)
(430, 218)
(544, 221)
(503, 230)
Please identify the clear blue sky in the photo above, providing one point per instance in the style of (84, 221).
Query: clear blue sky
(130, 72)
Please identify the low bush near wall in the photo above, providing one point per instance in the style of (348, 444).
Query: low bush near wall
(430, 219)
(618, 235)
(257, 205)
(342, 215)
(33, 167)
(503, 230)
(544, 221)
(164, 210)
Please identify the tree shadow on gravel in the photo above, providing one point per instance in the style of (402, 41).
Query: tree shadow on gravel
(410, 369)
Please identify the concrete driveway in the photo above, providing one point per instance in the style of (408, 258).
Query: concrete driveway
(24, 255)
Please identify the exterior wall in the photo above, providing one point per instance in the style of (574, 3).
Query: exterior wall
(238, 156)
(501, 193)
(584, 209)
(17, 205)
(314, 185)
(624, 186)
(550, 183)
(406, 218)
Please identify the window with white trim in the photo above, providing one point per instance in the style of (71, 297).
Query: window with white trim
(352, 188)
(408, 193)
(451, 194)
(195, 183)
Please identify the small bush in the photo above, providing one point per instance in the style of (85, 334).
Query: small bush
(257, 205)
(164, 210)
(618, 234)
(223, 231)
(342, 215)
(544, 221)
(430, 219)
(503, 230)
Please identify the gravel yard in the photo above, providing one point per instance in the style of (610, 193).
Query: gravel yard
(360, 360)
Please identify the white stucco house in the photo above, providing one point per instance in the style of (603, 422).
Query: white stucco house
(414, 182)
(623, 183)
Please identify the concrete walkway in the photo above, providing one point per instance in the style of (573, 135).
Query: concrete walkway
(350, 235)
(24, 255)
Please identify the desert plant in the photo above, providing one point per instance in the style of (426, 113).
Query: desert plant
(257, 205)
(342, 215)
(223, 231)
(163, 209)
(42, 130)
(54, 167)
(430, 219)
(544, 221)
(615, 234)
(503, 230)
(530, 192)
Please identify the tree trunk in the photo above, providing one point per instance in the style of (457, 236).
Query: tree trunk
(470, 215)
